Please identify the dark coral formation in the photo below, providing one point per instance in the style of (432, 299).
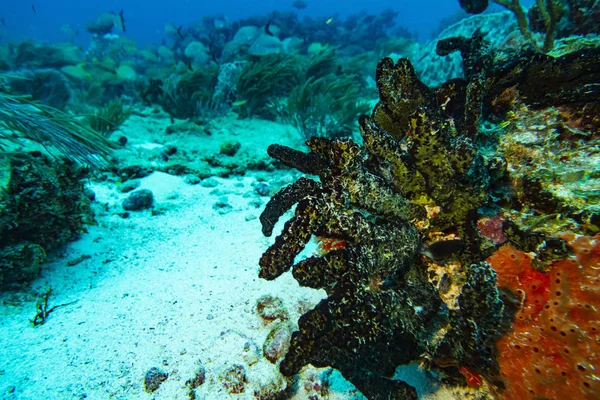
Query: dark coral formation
(153, 379)
(577, 17)
(43, 206)
(419, 171)
(474, 6)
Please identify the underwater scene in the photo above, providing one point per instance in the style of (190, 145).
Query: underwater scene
(300, 199)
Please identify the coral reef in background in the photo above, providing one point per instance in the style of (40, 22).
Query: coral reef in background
(48, 86)
(420, 179)
(551, 18)
(434, 69)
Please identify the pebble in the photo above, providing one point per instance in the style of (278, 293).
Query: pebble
(222, 205)
(209, 183)
(139, 200)
(153, 379)
(191, 180)
(262, 188)
(230, 148)
(129, 186)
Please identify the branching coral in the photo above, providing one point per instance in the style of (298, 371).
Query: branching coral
(549, 10)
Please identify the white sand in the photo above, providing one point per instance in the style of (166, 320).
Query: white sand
(168, 291)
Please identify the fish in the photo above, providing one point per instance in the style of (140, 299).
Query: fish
(33, 8)
(267, 31)
(299, 4)
(239, 103)
(120, 24)
(330, 20)
(444, 249)
(68, 30)
(105, 23)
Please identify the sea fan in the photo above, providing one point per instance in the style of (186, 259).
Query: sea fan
(52, 128)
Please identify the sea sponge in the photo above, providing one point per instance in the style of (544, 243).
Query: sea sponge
(552, 350)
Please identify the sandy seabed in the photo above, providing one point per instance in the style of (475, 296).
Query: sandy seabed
(176, 291)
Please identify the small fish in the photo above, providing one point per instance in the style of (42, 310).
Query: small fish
(33, 8)
(504, 124)
(239, 103)
(444, 249)
(330, 20)
(299, 4)
(179, 29)
(122, 20)
(267, 31)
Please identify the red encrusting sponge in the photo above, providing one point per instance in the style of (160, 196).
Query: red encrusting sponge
(553, 350)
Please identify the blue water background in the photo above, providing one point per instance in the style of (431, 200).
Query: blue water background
(146, 19)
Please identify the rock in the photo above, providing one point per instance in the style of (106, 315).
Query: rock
(153, 379)
(89, 193)
(191, 180)
(230, 148)
(198, 379)
(256, 203)
(222, 205)
(250, 355)
(209, 183)
(129, 186)
(270, 308)
(139, 200)
(262, 188)
(234, 379)
(277, 343)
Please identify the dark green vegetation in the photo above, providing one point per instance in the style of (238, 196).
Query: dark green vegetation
(42, 206)
(326, 106)
(420, 171)
(315, 93)
(51, 128)
(182, 95)
(44, 310)
(42, 201)
(109, 118)
(266, 78)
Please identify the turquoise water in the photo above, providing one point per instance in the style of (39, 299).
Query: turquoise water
(299, 200)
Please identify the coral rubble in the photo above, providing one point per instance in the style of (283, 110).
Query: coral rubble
(419, 178)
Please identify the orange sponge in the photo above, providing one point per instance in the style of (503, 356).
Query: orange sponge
(553, 351)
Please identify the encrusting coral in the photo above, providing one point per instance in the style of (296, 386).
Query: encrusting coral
(419, 178)
(550, 352)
